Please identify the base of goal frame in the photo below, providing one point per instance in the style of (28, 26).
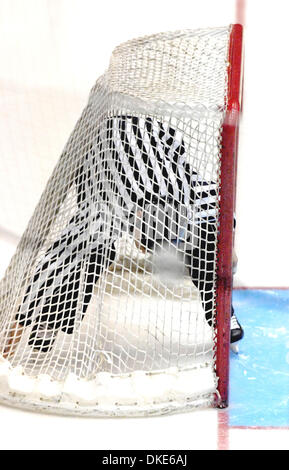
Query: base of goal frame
(136, 394)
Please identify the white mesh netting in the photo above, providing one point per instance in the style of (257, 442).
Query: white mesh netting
(107, 306)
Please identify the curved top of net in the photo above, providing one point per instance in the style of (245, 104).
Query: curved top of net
(182, 66)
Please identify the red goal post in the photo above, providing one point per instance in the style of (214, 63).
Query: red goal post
(226, 218)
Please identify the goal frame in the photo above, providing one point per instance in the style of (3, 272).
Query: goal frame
(145, 388)
(228, 173)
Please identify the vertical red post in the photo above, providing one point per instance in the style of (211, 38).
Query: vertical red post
(226, 214)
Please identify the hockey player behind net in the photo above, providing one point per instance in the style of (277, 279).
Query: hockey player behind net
(141, 180)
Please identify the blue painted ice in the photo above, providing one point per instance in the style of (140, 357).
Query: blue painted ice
(259, 377)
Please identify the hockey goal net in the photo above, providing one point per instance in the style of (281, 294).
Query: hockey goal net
(117, 300)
